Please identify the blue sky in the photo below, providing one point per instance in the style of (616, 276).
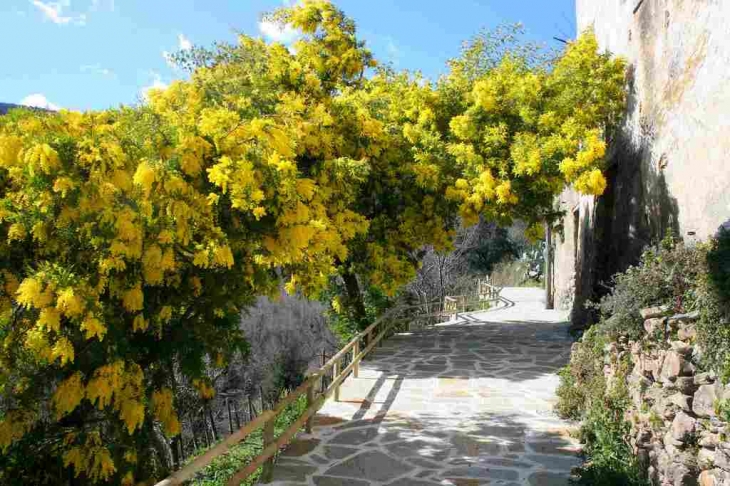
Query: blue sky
(93, 54)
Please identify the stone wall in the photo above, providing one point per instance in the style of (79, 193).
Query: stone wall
(574, 253)
(676, 431)
(668, 165)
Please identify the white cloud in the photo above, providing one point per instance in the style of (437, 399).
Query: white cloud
(157, 83)
(38, 100)
(184, 43)
(99, 4)
(98, 69)
(278, 32)
(169, 60)
(53, 11)
(393, 51)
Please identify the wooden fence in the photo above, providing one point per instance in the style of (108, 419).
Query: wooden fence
(317, 387)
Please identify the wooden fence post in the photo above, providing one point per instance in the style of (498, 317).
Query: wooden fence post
(355, 352)
(335, 373)
(251, 410)
(323, 378)
(235, 412)
(268, 469)
(310, 401)
(230, 418)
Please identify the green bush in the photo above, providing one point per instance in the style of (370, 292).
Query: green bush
(668, 274)
(713, 333)
(611, 460)
(582, 381)
(584, 394)
(341, 322)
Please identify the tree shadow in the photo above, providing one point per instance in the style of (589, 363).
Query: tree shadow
(636, 210)
(468, 433)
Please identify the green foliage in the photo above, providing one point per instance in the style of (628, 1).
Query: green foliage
(289, 371)
(681, 277)
(483, 258)
(344, 323)
(667, 274)
(611, 460)
(485, 51)
(714, 305)
(582, 381)
(224, 467)
(584, 395)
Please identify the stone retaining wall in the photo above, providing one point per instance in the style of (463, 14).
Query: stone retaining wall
(676, 430)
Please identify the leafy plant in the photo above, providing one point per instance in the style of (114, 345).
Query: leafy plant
(610, 458)
(714, 305)
(224, 467)
(582, 382)
(667, 274)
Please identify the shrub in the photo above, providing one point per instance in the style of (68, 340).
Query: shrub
(667, 274)
(713, 333)
(582, 380)
(611, 459)
(604, 432)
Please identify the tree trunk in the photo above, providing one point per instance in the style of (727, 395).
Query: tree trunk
(177, 458)
(208, 440)
(161, 446)
(442, 286)
(177, 453)
(354, 302)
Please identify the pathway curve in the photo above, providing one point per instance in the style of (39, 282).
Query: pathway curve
(463, 403)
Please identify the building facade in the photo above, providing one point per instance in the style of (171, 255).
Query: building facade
(669, 163)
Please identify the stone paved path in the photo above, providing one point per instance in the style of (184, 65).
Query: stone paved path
(464, 403)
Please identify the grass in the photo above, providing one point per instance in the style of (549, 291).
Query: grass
(224, 467)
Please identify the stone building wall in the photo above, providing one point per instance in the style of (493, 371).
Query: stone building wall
(669, 164)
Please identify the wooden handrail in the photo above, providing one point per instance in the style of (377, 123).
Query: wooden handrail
(384, 324)
(388, 320)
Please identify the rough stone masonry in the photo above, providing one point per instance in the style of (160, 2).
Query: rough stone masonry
(677, 431)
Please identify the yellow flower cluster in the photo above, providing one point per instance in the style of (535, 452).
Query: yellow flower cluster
(527, 132)
(204, 388)
(91, 458)
(164, 411)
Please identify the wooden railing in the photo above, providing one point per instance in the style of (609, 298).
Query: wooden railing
(487, 291)
(334, 371)
(326, 382)
(454, 304)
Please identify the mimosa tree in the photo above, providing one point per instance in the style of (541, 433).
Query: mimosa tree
(132, 239)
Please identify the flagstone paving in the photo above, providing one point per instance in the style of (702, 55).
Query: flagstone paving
(468, 402)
